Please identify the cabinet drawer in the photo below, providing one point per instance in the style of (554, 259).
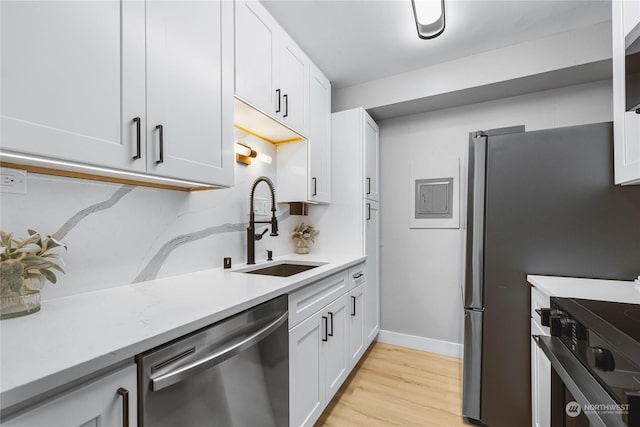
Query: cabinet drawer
(97, 403)
(357, 276)
(313, 297)
(538, 300)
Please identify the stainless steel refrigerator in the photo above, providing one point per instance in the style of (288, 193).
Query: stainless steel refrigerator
(540, 202)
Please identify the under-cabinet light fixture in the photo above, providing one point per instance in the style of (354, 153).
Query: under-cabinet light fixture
(429, 16)
(89, 170)
(244, 154)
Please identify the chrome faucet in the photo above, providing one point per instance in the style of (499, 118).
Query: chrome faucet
(251, 229)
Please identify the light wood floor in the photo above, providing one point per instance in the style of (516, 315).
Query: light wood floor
(398, 386)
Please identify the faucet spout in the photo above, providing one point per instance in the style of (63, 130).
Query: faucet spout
(251, 229)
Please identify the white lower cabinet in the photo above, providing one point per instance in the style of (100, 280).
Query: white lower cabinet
(540, 382)
(335, 347)
(540, 365)
(306, 364)
(326, 345)
(99, 403)
(356, 345)
(372, 249)
(317, 362)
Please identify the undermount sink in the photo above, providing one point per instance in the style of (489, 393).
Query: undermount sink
(284, 269)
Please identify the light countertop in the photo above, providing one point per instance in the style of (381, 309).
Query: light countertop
(77, 336)
(594, 289)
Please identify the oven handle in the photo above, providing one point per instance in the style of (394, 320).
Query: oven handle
(218, 356)
(582, 385)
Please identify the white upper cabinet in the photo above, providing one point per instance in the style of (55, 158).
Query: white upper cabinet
(304, 168)
(272, 72)
(631, 18)
(625, 24)
(293, 85)
(189, 90)
(98, 82)
(257, 36)
(73, 80)
(319, 137)
(371, 163)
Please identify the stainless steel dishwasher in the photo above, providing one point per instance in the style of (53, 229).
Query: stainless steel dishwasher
(232, 373)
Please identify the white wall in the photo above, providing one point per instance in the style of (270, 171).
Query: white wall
(146, 232)
(421, 269)
(534, 57)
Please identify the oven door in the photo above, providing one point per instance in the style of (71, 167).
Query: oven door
(572, 383)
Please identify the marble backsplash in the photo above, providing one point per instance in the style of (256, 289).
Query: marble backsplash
(122, 234)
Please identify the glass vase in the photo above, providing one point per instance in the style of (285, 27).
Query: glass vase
(15, 304)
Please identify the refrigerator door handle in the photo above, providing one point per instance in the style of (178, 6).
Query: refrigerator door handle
(474, 292)
(472, 367)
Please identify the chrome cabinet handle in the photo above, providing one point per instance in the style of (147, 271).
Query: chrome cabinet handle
(368, 185)
(353, 305)
(315, 186)
(368, 211)
(160, 129)
(138, 155)
(331, 317)
(124, 393)
(326, 328)
(216, 357)
(286, 105)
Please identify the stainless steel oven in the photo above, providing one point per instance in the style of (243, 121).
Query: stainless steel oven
(594, 349)
(232, 373)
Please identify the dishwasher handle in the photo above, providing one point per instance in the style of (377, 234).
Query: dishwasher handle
(217, 357)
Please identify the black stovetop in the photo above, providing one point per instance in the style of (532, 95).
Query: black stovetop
(624, 317)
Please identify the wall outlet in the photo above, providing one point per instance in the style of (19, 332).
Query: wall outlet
(13, 181)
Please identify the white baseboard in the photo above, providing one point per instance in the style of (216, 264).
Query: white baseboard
(431, 345)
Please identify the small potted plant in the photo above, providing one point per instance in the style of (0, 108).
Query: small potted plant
(304, 235)
(25, 266)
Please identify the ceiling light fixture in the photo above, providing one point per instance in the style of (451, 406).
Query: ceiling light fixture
(429, 16)
(244, 154)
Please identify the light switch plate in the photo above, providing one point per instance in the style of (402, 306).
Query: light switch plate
(261, 206)
(13, 181)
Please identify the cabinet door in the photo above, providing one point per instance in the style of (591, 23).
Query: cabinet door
(96, 404)
(256, 56)
(631, 148)
(306, 379)
(335, 354)
(319, 137)
(294, 85)
(631, 9)
(356, 325)
(540, 382)
(189, 80)
(73, 80)
(626, 124)
(371, 149)
(372, 250)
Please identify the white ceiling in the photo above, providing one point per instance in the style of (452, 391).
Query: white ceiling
(354, 41)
